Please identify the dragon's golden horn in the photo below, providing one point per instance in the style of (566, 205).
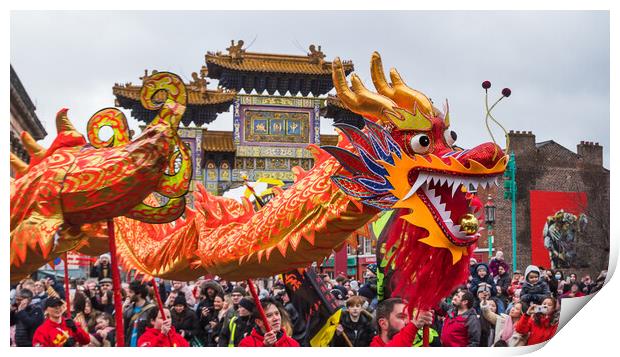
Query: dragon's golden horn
(62, 121)
(404, 96)
(446, 115)
(378, 77)
(34, 149)
(18, 165)
(359, 99)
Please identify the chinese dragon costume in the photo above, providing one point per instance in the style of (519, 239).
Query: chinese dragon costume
(404, 159)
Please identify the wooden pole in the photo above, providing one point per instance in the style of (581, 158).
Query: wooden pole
(67, 291)
(116, 285)
(346, 339)
(258, 305)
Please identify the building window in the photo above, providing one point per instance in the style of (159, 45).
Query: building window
(366, 246)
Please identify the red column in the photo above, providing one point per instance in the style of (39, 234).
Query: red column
(340, 262)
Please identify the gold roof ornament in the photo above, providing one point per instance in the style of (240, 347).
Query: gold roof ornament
(235, 51)
(316, 56)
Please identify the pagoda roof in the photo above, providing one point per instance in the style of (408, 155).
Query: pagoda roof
(249, 71)
(336, 110)
(203, 105)
(217, 141)
(222, 141)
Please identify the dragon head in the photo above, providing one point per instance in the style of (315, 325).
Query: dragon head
(405, 158)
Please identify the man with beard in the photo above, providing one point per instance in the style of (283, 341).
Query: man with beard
(396, 329)
(135, 312)
(461, 327)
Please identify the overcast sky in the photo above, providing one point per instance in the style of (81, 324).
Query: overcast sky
(556, 63)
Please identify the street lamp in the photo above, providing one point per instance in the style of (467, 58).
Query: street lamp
(489, 219)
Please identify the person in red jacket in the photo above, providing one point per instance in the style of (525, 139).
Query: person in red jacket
(161, 333)
(462, 326)
(56, 331)
(540, 322)
(396, 329)
(276, 337)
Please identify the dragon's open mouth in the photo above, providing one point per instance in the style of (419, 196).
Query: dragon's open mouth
(448, 200)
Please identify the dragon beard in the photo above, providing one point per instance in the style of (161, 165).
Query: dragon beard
(425, 274)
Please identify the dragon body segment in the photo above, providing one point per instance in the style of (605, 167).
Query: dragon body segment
(404, 159)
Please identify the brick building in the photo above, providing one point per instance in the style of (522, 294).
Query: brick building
(549, 167)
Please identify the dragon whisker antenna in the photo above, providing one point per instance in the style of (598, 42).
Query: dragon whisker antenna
(298, 45)
(251, 43)
(506, 92)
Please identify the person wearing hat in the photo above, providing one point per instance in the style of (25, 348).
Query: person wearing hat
(276, 337)
(56, 331)
(472, 266)
(339, 296)
(27, 317)
(102, 268)
(239, 326)
(104, 298)
(515, 283)
(236, 294)
(482, 276)
(535, 289)
(184, 319)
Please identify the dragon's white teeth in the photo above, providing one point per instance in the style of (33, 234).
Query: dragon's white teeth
(455, 187)
(416, 185)
(497, 181)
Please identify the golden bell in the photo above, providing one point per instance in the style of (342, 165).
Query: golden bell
(469, 224)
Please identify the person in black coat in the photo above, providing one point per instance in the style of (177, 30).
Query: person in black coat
(183, 319)
(239, 326)
(482, 276)
(535, 289)
(356, 324)
(212, 322)
(102, 268)
(27, 318)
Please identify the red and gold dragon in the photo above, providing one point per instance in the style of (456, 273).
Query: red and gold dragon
(403, 159)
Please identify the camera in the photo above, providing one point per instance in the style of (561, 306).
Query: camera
(70, 342)
(541, 309)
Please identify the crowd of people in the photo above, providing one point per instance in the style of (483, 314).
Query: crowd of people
(495, 307)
